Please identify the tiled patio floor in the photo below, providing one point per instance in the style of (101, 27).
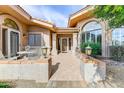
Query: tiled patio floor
(66, 67)
(66, 72)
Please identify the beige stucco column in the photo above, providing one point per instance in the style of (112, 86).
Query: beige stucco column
(79, 39)
(0, 37)
(54, 49)
(74, 42)
(105, 40)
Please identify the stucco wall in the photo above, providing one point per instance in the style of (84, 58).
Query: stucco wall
(38, 72)
(24, 30)
(24, 38)
(93, 73)
(0, 38)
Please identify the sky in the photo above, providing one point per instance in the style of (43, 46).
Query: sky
(57, 14)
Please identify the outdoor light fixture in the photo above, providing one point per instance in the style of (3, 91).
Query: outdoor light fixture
(88, 50)
(44, 51)
(24, 35)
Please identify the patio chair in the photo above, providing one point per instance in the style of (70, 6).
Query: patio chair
(36, 54)
(27, 48)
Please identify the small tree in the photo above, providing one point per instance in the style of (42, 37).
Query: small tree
(114, 14)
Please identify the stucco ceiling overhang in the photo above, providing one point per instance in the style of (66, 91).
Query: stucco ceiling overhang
(20, 14)
(66, 30)
(80, 15)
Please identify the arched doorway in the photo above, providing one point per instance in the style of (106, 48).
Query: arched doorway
(91, 33)
(10, 38)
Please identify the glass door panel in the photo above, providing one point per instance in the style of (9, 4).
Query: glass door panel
(64, 45)
(14, 43)
(70, 43)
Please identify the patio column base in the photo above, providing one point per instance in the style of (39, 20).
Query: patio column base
(54, 52)
(74, 43)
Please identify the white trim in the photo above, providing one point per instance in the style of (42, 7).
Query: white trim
(9, 30)
(42, 23)
(40, 33)
(67, 38)
(81, 12)
(1, 38)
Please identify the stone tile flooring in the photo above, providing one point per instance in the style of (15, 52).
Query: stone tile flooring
(66, 72)
(66, 67)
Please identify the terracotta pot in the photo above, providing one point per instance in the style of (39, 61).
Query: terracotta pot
(85, 60)
(95, 62)
(90, 61)
(81, 56)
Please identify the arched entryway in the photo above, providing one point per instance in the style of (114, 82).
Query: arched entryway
(10, 38)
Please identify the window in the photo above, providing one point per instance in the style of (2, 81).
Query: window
(91, 35)
(118, 36)
(10, 23)
(91, 32)
(35, 39)
(117, 45)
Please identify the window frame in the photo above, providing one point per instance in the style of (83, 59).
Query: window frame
(90, 32)
(114, 36)
(35, 43)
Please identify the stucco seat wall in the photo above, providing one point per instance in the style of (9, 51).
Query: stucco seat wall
(39, 71)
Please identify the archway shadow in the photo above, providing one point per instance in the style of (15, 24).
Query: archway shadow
(55, 68)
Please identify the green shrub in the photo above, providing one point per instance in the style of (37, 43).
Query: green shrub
(96, 48)
(117, 53)
(4, 85)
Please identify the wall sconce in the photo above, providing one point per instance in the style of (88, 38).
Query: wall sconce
(24, 35)
(88, 50)
(44, 51)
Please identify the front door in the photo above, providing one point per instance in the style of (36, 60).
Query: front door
(64, 45)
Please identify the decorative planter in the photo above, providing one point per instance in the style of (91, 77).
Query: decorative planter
(92, 70)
